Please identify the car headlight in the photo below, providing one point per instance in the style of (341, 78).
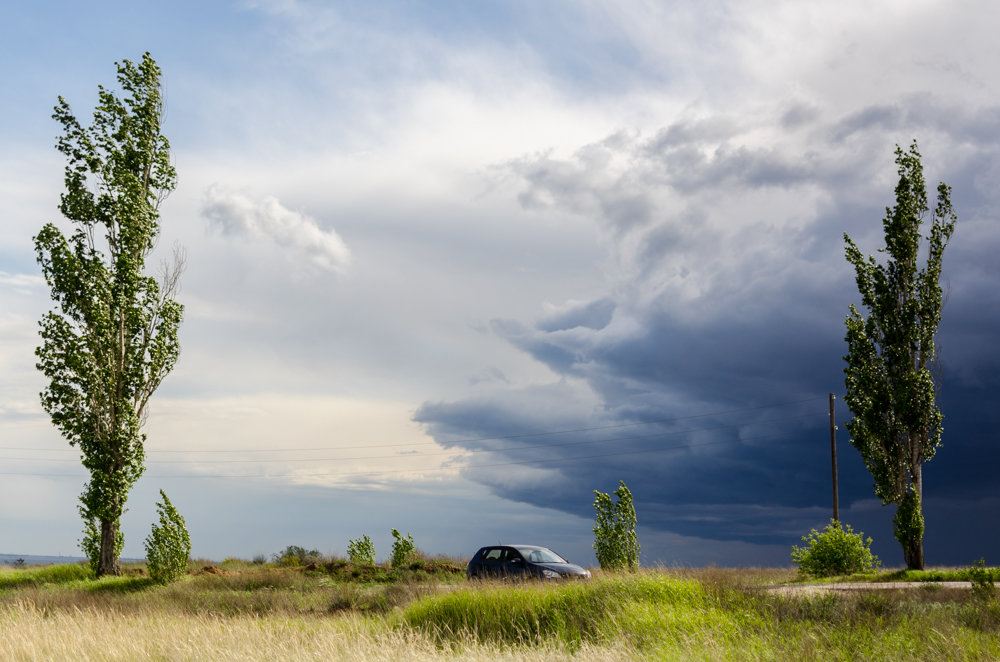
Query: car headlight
(550, 574)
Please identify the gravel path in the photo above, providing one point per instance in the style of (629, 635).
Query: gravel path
(811, 589)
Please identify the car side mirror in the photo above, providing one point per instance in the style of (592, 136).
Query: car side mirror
(517, 561)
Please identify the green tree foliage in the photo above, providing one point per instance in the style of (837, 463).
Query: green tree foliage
(113, 337)
(403, 549)
(361, 551)
(835, 551)
(890, 383)
(615, 542)
(168, 545)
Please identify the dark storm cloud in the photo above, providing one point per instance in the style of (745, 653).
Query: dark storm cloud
(924, 112)
(880, 118)
(730, 297)
(798, 115)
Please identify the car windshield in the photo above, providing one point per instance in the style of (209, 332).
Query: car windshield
(541, 555)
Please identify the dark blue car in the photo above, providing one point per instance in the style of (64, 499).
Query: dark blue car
(522, 562)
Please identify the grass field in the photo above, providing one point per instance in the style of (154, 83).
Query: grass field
(330, 611)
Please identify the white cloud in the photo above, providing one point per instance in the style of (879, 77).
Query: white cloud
(237, 215)
(21, 282)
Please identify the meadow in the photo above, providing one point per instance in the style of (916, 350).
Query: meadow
(240, 610)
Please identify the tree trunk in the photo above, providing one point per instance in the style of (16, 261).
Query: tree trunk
(913, 554)
(107, 563)
(910, 521)
(915, 557)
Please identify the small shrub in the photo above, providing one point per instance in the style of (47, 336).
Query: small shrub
(835, 551)
(361, 551)
(403, 549)
(168, 545)
(294, 556)
(615, 542)
(981, 579)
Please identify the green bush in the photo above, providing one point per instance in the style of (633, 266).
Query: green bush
(361, 551)
(295, 556)
(981, 579)
(168, 545)
(836, 551)
(403, 549)
(615, 542)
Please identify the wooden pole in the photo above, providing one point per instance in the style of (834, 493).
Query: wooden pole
(833, 459)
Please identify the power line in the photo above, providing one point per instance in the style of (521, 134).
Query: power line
(461, 441)
(655, 435)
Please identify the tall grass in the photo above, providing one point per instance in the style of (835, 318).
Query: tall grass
(529, 613)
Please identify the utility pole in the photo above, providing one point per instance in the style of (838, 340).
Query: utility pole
(833, 461)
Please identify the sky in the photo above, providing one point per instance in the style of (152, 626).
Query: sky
(453, 266)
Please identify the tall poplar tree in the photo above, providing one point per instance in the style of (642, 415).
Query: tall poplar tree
(890, 382)
(113, 335)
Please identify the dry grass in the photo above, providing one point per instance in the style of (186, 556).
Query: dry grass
(29, 633)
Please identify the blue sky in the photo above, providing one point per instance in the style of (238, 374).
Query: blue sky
(452, 266)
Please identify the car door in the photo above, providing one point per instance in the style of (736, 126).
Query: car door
(491, 561)
(514, 565)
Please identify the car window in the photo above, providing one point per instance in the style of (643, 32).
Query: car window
(511, 556)
(494, 554)
(543, 556)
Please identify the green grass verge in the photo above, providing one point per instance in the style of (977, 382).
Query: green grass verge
(903, 575)
(52, 574)
(938, 575)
